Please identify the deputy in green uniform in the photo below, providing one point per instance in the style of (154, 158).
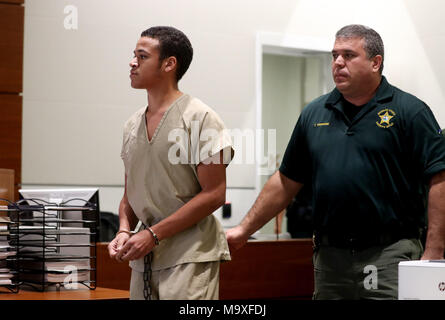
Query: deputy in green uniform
(375, 158)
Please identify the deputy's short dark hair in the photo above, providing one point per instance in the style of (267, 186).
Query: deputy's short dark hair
(172, 42)
(373, 41)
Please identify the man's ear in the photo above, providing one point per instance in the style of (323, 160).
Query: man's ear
(377, 62)
(170, 64)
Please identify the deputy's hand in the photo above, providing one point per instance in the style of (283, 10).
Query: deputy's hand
(137, 246)
(236, 238)
(116, 244)
(432, 254)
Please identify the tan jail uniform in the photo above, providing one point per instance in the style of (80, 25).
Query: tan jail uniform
(162, 177)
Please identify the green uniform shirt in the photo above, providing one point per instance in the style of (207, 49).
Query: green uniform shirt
(370, 174)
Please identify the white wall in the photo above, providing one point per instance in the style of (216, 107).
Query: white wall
(76, 93)
(76, 87)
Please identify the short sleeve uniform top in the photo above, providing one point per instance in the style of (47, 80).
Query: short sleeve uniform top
(371, 172)
(162, 177)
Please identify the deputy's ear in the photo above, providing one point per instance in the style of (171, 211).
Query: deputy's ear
(376, 62)
(170, 64)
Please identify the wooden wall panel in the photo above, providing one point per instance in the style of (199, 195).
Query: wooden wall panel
(12, 14)
(6, 186)
(269, 270)
(110, 273)
(11, 47)
(11, 135)
(12, 1)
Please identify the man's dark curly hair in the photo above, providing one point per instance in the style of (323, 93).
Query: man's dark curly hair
(172, 42)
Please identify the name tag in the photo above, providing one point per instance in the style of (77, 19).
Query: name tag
(321, 124)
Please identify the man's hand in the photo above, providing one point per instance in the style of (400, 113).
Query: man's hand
(236, 238)
(431, 254)
(136, 247)
(116, 244)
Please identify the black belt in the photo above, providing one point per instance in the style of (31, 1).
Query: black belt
(361, 243)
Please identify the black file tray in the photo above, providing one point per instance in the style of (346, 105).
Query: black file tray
(56, 251)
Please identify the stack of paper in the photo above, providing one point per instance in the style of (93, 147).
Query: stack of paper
(66, 240)
(5, 276)
(5, 251)
(66, 258)
(57, 266)
(56, 271)
(4, 221)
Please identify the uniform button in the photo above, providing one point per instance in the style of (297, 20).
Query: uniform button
(349, 133)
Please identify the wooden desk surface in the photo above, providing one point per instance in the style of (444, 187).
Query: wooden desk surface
(98, 294)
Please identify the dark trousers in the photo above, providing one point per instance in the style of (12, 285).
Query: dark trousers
(372, 273)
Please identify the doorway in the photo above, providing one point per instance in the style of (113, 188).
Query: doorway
(292, 72)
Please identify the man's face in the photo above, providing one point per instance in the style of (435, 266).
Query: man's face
(145, 65)
(352, 71)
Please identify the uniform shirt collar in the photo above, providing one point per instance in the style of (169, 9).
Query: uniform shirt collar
(384, 92)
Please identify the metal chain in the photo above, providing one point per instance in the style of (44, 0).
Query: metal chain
(147, 276)
(147, 273)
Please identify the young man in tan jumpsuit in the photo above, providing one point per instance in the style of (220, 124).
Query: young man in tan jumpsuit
(174, 179)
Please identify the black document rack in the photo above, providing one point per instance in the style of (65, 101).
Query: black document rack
(55, 249)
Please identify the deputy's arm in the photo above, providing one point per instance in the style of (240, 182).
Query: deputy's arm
(212, 178)
(435, 241)
(275, 196)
